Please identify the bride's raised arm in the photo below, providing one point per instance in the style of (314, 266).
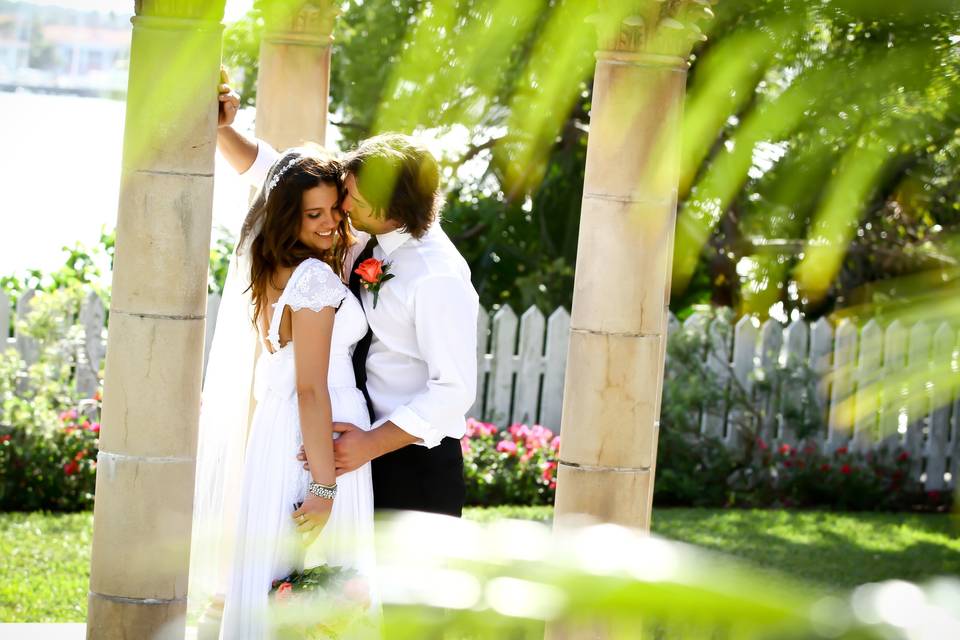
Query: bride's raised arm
(250, 157)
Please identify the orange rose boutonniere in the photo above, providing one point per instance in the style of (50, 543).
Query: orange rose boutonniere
(373, 273)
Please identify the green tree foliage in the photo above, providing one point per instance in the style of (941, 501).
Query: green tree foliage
(820, 148)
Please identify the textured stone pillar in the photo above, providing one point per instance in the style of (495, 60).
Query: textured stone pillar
(619, 319)
(145, 471)
(293, 87)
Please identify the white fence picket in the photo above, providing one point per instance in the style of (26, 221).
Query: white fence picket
(92, 316)
(918, 402)
(821, 360)
(555, 368)
(4, 320)
(771, 342)
(840, 421)
(27, 346)
(745, 336)
(893, 392)
(503, 365)
(483, 361)
(868, 395)
(796, 339)
(718, 361)
(943, 385)
(526, 398)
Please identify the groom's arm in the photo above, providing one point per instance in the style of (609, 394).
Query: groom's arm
(445, 309)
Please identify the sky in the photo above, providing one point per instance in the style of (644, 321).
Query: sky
(235, 8)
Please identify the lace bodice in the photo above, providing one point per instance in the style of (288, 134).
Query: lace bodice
(313, 285)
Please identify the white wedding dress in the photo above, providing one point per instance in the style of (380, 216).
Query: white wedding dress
(274, 481)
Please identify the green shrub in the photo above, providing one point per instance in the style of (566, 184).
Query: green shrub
(516, 465)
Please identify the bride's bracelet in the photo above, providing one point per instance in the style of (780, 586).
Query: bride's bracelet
(326, 491)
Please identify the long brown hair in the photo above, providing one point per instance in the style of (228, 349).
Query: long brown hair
(275, 217)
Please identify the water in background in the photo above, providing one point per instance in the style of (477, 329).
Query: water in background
(60, 177)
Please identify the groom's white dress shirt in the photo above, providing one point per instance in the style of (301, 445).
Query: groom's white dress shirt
(422, 364)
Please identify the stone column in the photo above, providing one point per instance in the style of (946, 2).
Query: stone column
(618, 329)
(145, 471)
(293, 86)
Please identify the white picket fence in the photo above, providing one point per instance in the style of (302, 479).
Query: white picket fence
(522, 362)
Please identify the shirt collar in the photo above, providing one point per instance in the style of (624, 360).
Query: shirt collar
(390, 242)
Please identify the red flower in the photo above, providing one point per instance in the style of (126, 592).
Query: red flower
(284, 591)
(95, 427)
(845, 469)
(69, 430)
(934, 495)
(761, 444)
(548, 471)
(903, 457)
(4, 439)
(370, 270)
(824, 468)
(785, 449)
(70, 468)
(787, 464)
(98, 396)
(553, 484)
(842, 451)
(80, 456)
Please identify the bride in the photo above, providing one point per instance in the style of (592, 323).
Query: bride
(258, 512)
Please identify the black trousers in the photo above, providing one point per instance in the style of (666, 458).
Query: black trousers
(415, 478)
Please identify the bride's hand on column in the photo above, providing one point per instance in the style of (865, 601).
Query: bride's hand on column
(312, 516)
(229, 101)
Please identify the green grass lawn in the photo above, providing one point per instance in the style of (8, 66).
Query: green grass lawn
(44, 558)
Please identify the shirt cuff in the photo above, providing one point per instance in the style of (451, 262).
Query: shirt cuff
(406, 419)
(266, 156)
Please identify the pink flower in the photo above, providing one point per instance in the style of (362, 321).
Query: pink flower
(761, 444)
(555, 443)
(95, 427)
(508, 447)
(465, 445)
(553, 484)
(473, 427)
(68, 415)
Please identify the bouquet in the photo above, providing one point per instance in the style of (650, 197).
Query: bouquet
(319, 603)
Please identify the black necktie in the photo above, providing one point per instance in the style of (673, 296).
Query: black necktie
(363, 347)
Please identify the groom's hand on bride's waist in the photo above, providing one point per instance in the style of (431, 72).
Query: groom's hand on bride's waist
(356, 447)
(351, 450)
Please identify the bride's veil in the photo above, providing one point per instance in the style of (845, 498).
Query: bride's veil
(225, 413)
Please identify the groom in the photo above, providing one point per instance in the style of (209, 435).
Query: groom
(417, 365)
